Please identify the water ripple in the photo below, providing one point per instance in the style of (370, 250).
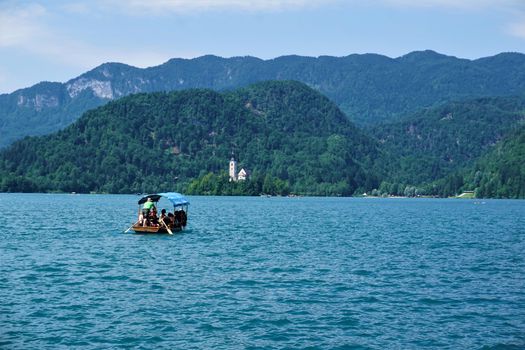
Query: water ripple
(261, 273)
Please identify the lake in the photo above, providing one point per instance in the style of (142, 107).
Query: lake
(263, 273)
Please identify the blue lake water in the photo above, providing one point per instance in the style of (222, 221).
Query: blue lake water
(263, 273)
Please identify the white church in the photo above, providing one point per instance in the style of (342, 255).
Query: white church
(242, 175)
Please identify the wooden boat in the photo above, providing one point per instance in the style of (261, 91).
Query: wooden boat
(179, 218)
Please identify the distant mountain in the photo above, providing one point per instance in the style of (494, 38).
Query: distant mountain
(291, 138)
(369, 88)
(439, 142)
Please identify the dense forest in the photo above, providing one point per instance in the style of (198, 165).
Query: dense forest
(435, 142)
(501, 172)
(370, 89)
(472, 145)
(293, 139)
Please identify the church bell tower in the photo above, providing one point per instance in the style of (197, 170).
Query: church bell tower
(233, 169)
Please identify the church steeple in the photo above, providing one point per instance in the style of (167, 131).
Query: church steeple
(233, 169)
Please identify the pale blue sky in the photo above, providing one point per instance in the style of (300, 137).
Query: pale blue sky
(57, 40)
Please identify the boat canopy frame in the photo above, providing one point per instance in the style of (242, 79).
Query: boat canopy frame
(177, 199)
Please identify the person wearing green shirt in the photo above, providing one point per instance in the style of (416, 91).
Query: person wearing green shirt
(148, 206)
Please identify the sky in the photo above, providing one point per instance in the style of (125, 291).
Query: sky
(57, 40)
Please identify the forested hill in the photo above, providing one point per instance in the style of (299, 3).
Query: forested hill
(438, 142)
(500, 173)
(289, 136)
(369, 88)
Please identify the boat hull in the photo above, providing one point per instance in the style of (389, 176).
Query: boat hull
(153, 229)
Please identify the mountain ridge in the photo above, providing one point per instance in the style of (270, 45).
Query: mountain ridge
(369, 88)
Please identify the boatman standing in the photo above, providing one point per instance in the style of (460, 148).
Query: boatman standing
(148, 205)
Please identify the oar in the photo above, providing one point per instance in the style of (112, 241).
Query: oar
(131, 226)
(167, 228)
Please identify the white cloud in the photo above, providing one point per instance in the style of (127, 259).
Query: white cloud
(191, 6)
(19, 24)
(512, 5)
(148, 7)
(463, 4)
(517, 29)
(37, 35)
(29, 29)
(76, 7)
(25, 28)
(428, 3)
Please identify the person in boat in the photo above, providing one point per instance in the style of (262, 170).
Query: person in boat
(146, 210)
(171, 219)
(165, 218)
(180, 217)
(153, 218)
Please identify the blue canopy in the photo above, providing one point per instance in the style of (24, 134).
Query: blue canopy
(176, 198)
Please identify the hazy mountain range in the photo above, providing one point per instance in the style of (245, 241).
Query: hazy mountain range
(370, 89)
(423, 123)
